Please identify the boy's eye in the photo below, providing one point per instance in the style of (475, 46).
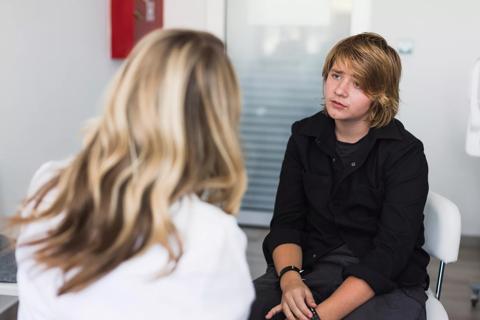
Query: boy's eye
(356, 84)
(335, 76)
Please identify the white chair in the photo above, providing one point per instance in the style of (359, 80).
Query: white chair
(442, 241)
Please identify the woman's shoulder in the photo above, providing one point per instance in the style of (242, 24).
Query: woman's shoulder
(201, 222)
(45, 173)
(207, 215)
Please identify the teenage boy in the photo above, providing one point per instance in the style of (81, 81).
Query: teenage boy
(346, 236)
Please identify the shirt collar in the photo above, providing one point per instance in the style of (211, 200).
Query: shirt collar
(322, 127)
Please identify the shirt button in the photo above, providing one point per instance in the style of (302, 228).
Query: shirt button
(353, 163)
(314, 256)
(334, 159)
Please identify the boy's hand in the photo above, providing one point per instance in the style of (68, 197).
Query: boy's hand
(296, 298)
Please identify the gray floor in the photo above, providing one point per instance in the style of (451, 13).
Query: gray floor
(8, 308)
(458, 276)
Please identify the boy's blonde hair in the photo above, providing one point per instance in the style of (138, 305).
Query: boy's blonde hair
(169, 129)
(377, 68)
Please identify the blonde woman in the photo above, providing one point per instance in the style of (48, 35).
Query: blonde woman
(139, 225)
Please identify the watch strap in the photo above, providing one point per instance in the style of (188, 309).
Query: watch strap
(287, 269)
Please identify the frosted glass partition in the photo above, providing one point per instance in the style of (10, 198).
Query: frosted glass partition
(278, 48)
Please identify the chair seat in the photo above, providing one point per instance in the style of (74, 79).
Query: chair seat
(434, 308)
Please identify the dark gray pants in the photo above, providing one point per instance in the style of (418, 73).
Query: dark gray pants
(324, 279)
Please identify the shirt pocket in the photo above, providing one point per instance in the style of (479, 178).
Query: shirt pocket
(317, 189)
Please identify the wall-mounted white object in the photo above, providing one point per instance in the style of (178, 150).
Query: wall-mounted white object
(405, 46)
(473, 129)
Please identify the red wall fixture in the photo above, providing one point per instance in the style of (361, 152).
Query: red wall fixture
(130, 21)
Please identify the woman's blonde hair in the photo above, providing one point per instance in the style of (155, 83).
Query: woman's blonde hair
(377, 68)
(169, 129)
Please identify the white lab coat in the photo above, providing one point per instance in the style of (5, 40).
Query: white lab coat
(212, 279)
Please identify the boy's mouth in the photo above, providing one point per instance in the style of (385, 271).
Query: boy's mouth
(337, 104)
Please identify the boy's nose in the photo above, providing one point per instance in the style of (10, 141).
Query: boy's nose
(341, 89)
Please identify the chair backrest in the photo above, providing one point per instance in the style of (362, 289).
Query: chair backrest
(442, 228)
(442, 233)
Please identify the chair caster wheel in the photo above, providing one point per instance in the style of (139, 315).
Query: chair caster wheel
(475, 294)
(474, 300)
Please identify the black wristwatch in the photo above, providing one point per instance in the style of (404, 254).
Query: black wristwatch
(288, 268)
(315, 314)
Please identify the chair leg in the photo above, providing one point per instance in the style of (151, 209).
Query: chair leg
(441, 271)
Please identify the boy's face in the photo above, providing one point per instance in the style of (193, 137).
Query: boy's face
(344, 100)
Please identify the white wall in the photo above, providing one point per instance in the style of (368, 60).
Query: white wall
(54, 62)
(185, 13)
(196, 14)
(435, 89)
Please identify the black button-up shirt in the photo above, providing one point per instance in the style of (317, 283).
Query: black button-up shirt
(374, 204)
